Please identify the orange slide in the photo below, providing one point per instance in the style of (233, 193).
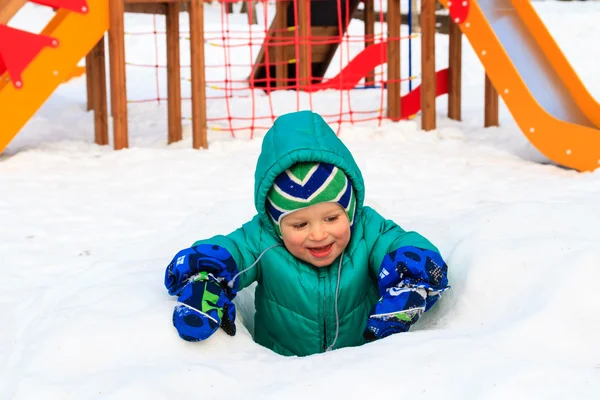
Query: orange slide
(538, 85)
(29, 76)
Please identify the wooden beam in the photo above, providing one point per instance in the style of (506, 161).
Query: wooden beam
(303, 59)
(118, 78)
(154, 1)
(441, 19)
(98, 83)
(491, 104)
(394, 111)
(89, 82)
(8, 9)
(146, 8)
(173, 73)
(199, 136)
(281, 61)
(428, 76)
(369, 35)
(250, 11)
(455, 72)
(154, 7)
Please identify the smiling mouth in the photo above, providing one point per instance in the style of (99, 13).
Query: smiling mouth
(320, 252)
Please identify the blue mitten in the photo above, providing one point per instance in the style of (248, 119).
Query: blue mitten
(213, 259)
(410, 282)
(199, 276)
(203, 306)
(395, 312)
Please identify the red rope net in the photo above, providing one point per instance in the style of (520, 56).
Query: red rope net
(256, 69)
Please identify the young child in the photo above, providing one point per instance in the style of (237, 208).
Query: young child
(331, 272)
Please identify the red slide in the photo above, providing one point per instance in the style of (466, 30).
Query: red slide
(365, 62)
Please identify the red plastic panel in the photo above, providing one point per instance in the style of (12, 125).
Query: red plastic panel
(79, 6)
(18, 48)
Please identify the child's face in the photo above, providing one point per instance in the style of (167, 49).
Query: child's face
(317, 234)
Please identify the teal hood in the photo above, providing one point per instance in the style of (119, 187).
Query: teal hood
(300, 137)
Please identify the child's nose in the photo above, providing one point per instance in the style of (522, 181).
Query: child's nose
(318, 233)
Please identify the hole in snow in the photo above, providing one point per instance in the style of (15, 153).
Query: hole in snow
(244, 304)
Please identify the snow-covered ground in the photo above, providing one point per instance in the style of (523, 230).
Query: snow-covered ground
(86, 233)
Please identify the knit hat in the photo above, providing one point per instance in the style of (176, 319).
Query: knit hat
(308, 183)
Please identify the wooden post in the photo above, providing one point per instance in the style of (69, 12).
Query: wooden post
(303, 59)
(369, 35)
(251, 11)
(8, 8)
(393, 61)
(118, 79)
(196, 11)
(455, 71)
(173, 73)
(97, 60)
(89, 83)
(416, 26)
(491, 104)
(428, 78)
(281, 61)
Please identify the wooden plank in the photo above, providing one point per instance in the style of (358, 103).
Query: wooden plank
(146, 8)
(280, 56)
(428, 76)
(118, 79)
(8, 9)
(369, 35)
(303, 59)
(394, 111)
(98, 82)
(173, 74)
(154, 1)
(491, 112)
(442, 20)
(196, 13)
(89, 83)
(455, 72)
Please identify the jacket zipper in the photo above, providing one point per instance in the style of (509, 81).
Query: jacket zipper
(322, 277)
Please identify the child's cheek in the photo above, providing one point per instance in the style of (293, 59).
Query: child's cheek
(294, 242)
(296, 238)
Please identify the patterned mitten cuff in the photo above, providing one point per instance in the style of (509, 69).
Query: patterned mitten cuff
(203, 307)
(396, 311)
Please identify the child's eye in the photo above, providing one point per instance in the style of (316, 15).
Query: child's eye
(331, 219)
(300, 225)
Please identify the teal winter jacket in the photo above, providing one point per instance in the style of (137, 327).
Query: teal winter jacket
(295, 302)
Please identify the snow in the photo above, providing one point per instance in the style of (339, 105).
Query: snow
(88, 231)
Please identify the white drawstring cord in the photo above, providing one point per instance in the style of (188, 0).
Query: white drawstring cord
(231, 282)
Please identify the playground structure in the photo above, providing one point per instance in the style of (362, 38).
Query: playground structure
(539, 87)
(77, 31)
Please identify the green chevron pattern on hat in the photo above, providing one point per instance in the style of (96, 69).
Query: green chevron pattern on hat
(306, 184)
